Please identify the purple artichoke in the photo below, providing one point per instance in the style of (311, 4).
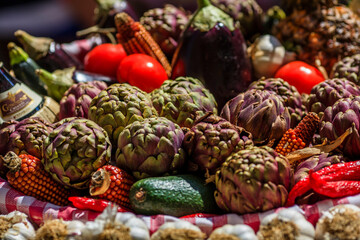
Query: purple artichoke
(77, 99)
(260, 112)
(316, 163)
(212, 140)
(344, 114)
(151, 147)
(75, 149)
(26, 136)
(256, 179)
(287, 93)
(326, 93)
(165, 25)
(349, 68)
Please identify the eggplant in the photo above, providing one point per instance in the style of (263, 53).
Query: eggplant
(49, 54)
(141, 6)
(213, 50)
(24, 68)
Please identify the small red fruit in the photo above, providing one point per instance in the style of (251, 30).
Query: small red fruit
(301, 75)
(142, 71)
(104, 59)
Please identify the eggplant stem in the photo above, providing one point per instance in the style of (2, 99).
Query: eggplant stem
(203, 3)
(95, 29)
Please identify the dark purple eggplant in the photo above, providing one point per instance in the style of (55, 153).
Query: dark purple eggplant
(49, 54)
(213, 50)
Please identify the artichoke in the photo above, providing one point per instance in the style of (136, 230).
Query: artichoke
(326, 93)
(26, 136)
(260, 112)
(77, 99)
(212, 140)
(75, 149)
(337, 119)
(316, 163)
(253, 180)
(118, 106)
(247, 12)
(348, 68)
(150, 148)
(165, 25)
(183, 100)
(288, 94)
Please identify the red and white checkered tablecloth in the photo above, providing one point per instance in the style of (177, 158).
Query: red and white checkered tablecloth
(11, 199)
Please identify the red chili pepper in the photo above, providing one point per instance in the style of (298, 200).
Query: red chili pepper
(333, 189)
(97, 205)
(199, 215)
(335, 172)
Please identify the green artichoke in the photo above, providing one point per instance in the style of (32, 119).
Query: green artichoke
(349, 68)
(26, 136)
(211, 140)
(337, 119)
(165, 25)
(183, 100)
(326, 93)
(74, 150)
(118, 106)
(260, 112)
(288, 94)
(150, 148)
(253, 180)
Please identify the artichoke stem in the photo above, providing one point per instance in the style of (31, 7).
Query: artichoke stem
(100, 182)
(203, 3)
(12, 161)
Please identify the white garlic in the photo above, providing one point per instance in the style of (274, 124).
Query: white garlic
(20, 229)
(183, 226)
(241, 231)
(268, 55)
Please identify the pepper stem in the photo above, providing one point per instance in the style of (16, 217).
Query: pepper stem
(100, 182)
(36, 47)
(203, 3)
(12, 161)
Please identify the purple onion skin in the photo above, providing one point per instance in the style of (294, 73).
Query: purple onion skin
(218, 58)
(58, 58)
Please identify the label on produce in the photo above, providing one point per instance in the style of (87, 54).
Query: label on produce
(18, 102)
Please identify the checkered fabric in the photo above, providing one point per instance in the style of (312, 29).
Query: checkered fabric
(11, 199)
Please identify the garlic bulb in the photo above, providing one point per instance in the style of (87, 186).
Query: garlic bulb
(111, 224)
(286, 224)
(15, 226)
(59, 229)
(268, 55)
(339, 222)
(238, 231)
(178, 230)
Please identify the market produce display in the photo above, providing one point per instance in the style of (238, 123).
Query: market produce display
(222, 122)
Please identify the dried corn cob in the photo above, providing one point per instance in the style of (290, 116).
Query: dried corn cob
(136, 39)
(26, 174)
(113, 184)
(300, 137)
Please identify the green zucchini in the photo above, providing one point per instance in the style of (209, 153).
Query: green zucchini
(173, 195)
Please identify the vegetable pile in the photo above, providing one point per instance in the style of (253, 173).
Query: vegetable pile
(226, 109)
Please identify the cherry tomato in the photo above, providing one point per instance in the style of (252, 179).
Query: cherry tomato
(142, 71)
(301, 75)
(104, 59)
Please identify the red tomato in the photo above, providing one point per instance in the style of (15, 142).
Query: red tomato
(142, 71)
(104, 59)
(301, 75)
